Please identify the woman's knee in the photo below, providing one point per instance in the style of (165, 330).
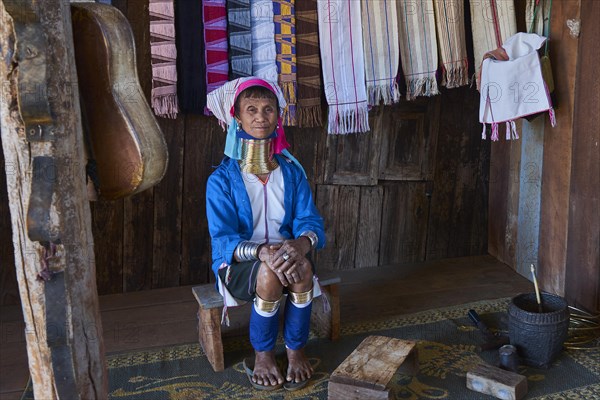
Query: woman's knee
(268, 286)
(305, 270)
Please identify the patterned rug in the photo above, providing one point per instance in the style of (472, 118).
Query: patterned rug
(447, 348)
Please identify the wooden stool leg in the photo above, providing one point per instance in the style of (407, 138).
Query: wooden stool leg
(209, 333)
(334, 301)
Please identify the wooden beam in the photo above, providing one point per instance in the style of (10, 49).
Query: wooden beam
(556, 176)
(530, 189)
(582, 286)
(70, 256)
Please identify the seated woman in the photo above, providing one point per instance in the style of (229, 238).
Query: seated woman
(263, 223)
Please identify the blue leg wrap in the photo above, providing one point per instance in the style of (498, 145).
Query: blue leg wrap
(263, 330)
(296, 325)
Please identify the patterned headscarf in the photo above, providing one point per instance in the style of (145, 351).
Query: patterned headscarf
(221, 103)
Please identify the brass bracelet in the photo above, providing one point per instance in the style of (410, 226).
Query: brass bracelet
(265, 305)
(301, 298)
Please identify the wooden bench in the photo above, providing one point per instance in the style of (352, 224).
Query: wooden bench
(210, 301)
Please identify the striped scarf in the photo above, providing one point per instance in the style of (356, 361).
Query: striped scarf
(450, 21)
(215, 37)
(191, 69)
(418, 47)
(285, 40)
(535, 19)
(492, 21)
(382, 52)
(308, 73)
(343, 66)
(240, 38)
(263, 40)
(164, 54)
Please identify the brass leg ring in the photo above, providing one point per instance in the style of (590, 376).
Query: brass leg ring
(265, 305)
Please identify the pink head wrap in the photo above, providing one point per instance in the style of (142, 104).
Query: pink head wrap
(279, 143)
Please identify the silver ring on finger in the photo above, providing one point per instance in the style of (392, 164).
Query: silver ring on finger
(285, 256)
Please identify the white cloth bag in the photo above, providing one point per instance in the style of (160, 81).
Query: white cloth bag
(515, 88)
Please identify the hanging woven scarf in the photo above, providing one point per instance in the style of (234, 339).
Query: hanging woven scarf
(382, 52)
(191, 70)
(492, 21)
(534, 18)
(418, 47)
(538, 16)
(285, 40)
(215, 37)
(164, 54)
(240, 38)
(342, 56)
(450, 24)
(308, 70)
(263, 40)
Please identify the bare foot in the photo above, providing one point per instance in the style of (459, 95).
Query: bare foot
(299, 368)
(266, 371)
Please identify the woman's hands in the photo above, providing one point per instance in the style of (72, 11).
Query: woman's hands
(285, 259)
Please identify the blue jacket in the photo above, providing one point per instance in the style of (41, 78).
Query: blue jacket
(229, 211)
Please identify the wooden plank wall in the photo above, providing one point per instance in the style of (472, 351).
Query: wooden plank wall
(582, 284)
(159, 238)
(459, 200)
(553, 191)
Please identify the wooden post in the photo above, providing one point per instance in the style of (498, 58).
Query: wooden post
(558, 147)
(582, 285)
(24, 62)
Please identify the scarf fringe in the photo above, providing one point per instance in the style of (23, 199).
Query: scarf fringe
(326, 305)
(289, 117)
(456, 76)
(349, 120)
(426, 86)
(389, 93)
(513, 128)
(511, 131)
(494, 132)
(309, 117)
(552, 117)
(289, 93)
(165, 106)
